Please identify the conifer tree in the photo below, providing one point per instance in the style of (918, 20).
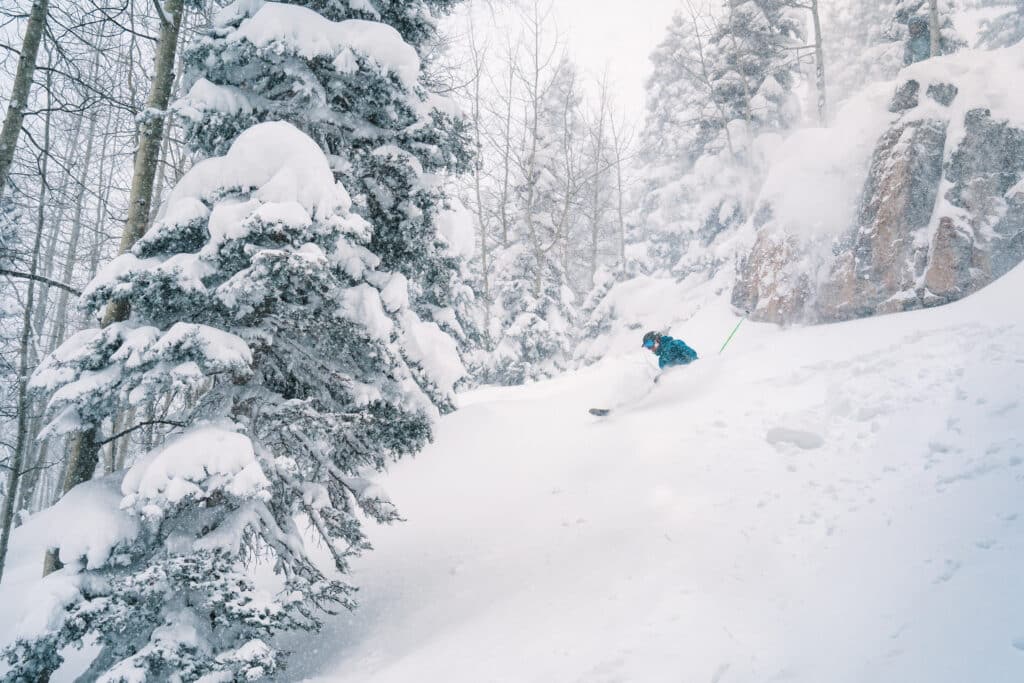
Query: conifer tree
(350, 75)
(537, 321)
(535, 301)
(1004, 29)
(292, 363)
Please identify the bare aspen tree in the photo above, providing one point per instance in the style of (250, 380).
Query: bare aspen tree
(22, 86)
(506, 148)
(84, 455)
(819, 59)
(597, 135)
(477, 54)
(819, 65)
(621, 142)
(23, 441)
(535, 81)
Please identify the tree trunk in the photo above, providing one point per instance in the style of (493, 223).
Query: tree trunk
(60, 314)
(933, 27)
(22, 86)
(150, 136)
(85, 451)
(481, 219)
(617, 149)
(49, 254)
(22, 439)
(507, 158)
(819, 66)
(595, 198)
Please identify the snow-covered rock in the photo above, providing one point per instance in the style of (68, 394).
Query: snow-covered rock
(940, 212)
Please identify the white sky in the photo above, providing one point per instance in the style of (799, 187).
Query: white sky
(619, 35)
(615, 34)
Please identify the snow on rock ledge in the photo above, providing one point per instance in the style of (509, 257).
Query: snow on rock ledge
(940, 213)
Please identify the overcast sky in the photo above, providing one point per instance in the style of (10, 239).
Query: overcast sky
(615, 34)
(620, 34)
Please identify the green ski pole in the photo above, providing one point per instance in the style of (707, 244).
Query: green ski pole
(731, 334)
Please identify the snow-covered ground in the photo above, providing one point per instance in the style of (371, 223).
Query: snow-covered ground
(835, 503)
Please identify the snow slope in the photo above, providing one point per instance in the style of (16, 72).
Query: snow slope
(826, 504)
(836, 503)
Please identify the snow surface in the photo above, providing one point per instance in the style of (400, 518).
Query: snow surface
(840, 503)
(836, 503)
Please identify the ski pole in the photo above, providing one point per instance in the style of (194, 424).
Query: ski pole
(731, 334)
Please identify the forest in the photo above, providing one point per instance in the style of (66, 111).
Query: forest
(252, 254)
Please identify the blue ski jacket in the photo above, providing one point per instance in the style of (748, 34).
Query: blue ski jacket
(674, 352)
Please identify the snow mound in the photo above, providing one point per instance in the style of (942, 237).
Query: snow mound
(314, 36)
(701, 532)
(86, 524)
(195, 464)
(274, 155)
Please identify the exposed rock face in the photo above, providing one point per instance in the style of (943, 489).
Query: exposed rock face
(986, 172)
(905, 97)
(881, 259)
(943, 93)
(768, 285)
(941, 215)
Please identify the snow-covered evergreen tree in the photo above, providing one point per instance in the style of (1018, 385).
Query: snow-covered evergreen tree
(913, 22)
(862, 45)
(1006, 28)
(538, 315)
(350, 75)
(292, 364)
(535, 302)
(719, 82)
(754, 68)
(596, 320)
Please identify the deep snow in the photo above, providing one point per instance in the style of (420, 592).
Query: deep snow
(834, 503)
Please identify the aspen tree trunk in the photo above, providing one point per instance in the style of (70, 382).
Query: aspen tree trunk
(819, 65)
(617, 148)
(933, 27)
(50, 252)
(60, 313)
(481, 219)
(150, 136)
(507, 156)
(22, 442)
(595, 198)
(84, 453)
(22, 86)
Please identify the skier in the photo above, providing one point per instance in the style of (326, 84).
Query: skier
(668, 350)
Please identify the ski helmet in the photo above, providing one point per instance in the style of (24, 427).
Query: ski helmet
(650, 339)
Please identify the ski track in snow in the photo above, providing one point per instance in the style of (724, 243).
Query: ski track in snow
(838, 503)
